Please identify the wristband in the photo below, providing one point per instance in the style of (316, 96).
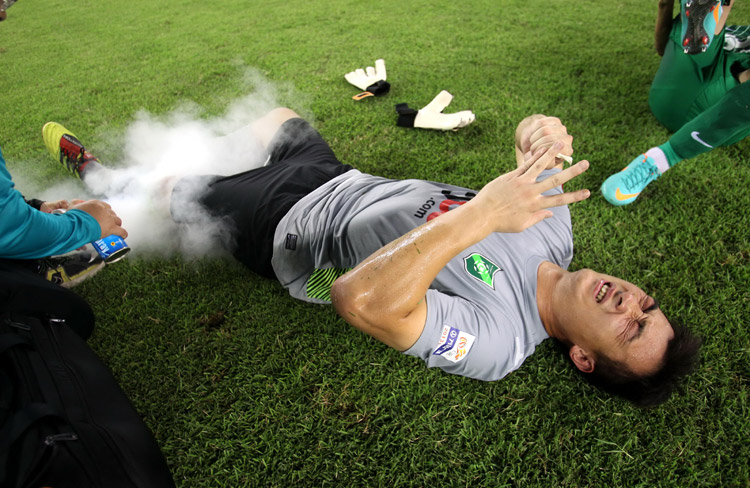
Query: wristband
(406, 115)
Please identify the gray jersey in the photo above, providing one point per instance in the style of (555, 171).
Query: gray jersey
(482, 317)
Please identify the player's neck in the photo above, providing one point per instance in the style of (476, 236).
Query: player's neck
(548, 277)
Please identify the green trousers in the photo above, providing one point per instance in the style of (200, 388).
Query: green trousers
(699, 97)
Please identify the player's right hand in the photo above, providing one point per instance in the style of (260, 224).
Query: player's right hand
(514, 201)
(108, 220)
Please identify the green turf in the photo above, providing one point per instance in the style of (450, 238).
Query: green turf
(243, 386)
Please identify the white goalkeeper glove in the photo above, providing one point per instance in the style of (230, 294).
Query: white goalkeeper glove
(371, 80)
(430, 117)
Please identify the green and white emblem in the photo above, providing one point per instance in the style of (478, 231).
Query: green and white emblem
(481, 268)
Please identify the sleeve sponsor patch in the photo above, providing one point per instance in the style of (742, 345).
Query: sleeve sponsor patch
(290, 242)
(454, 344)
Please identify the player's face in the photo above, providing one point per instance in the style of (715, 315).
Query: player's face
(617, 319)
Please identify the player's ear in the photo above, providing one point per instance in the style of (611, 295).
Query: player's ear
(583, 360)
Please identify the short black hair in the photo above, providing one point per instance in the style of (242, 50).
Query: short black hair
(680, 359)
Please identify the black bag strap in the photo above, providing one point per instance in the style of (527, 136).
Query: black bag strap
(22, 420)
(6, 396)
(8, 341)
(25, 292)
(17, 425)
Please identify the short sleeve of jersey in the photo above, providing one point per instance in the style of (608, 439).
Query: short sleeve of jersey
(462, 339)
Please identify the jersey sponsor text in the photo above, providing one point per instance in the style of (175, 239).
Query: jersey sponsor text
(454, 344)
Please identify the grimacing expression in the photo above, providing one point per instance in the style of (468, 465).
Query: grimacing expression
(616, 318)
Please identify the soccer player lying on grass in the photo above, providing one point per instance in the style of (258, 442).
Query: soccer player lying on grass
(700, 92)
(469, 282)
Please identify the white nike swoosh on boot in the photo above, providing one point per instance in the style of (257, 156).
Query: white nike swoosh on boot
(694, 135)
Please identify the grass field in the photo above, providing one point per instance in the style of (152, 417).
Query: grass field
(244, 386)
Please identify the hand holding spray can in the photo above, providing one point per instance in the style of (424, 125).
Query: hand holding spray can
(111, 248)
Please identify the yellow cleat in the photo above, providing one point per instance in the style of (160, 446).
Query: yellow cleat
(64, 146)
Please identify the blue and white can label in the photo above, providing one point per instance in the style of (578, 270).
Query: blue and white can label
(111, 248)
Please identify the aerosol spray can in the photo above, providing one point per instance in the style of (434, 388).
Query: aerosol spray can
(111, 248)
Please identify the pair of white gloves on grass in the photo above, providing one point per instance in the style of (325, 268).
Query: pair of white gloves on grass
(372, 81)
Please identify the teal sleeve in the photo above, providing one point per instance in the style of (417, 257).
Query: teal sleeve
(27, 233)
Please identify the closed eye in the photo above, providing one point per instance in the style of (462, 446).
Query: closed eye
(652, 307)
(642, 323)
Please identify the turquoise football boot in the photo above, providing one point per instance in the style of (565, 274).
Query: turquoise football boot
(624, 187)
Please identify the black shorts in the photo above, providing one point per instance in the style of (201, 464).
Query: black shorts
(253, 203)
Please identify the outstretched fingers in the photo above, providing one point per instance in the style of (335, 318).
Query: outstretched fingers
(563, 177)
(566, 198)
(538, 162)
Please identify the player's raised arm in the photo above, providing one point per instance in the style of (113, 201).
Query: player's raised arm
(385, 295)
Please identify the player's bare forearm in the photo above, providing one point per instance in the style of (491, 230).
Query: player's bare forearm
(385, 295)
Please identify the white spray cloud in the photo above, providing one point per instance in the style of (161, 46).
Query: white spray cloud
(160, 150)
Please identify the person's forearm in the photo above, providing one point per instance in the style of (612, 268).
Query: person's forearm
(26, 233)
(385, 295)
(391, 284)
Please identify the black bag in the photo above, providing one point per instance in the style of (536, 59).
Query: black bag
(23, 290)
(64, 421)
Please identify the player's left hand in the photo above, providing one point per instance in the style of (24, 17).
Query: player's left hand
(371, 80)
(537, 133)
(48, 207)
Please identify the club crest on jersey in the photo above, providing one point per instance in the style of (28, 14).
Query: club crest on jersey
(481, 269)
(454, 344)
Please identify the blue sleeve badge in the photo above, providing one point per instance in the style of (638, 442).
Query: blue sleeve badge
(454, 344)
